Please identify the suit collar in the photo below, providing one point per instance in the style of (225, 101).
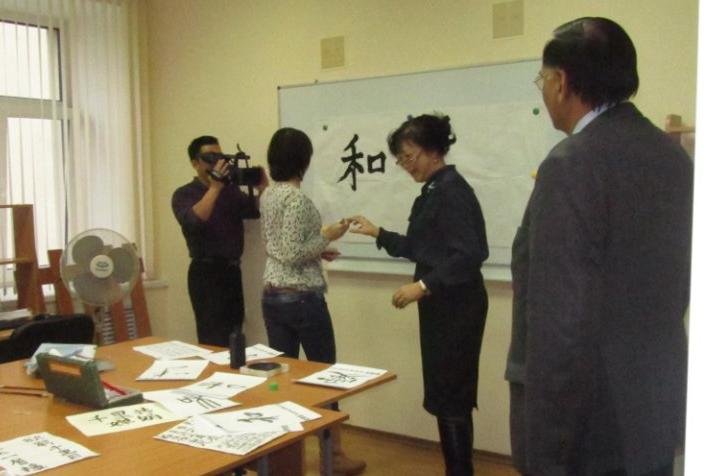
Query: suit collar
(589, 117)
(621, 110)
(432, 183)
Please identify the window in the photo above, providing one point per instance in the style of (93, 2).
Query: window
(33, 151)
(69, 144)
(35, 175)
(30, 59)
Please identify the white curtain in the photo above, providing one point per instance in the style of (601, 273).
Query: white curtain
(69, 124)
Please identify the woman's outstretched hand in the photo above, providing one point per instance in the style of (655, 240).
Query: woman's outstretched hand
(335, 230)
(363, 226)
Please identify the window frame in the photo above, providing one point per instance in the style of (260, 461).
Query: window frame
(55, 107)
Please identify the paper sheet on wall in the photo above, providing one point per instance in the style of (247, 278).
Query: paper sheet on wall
(497, 157)
(352, 172)
(37, 452)
(502, 144)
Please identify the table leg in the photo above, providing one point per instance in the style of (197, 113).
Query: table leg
(288, 460)
(326, 455)
(262, 466)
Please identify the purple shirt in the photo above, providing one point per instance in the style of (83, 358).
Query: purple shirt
(222, 235)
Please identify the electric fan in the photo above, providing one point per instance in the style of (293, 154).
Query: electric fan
(100, 267)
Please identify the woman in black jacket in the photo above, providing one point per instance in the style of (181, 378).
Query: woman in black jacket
(446, 238)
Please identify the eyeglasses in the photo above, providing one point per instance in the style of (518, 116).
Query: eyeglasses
(403, 161)
(540, 80)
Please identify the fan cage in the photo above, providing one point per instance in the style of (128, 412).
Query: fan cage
(106, 331)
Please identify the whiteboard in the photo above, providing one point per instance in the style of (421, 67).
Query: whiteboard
(503, 133)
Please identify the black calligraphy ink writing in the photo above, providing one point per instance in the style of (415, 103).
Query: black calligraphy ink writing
(336, 377)
(257, 416)
(375, 163)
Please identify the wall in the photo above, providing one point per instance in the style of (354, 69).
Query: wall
(213, 67)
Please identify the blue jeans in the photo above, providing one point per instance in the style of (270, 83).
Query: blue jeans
(299, 318)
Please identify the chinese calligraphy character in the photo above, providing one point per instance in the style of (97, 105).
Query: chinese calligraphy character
(375, 163)
(353, 165)
(176, 371)
(146, 414)
(257, 416)
(120, 418)
(98, 418)
(201, 400)
(337, 377)
(372, 159)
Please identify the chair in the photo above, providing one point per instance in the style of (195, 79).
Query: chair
(67, 329)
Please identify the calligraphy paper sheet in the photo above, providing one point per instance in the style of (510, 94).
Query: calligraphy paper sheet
(173, 349)
(38, 452)
(205, 396)
(174, 370)
(253, 352)
(185, 403)
(342, 376)
(219, 358)
(285, 415)
(260, 351)
(201, 434)
(113, 420)
(225, 384)
(241, 431)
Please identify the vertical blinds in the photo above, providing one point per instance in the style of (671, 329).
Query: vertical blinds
(69, 144)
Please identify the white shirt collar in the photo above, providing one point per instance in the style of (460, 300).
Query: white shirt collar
(589, 117)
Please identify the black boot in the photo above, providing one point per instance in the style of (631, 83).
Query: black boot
(456, 435)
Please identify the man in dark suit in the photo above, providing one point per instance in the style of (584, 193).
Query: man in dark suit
(597, 363)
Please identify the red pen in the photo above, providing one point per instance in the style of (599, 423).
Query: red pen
(113, 388)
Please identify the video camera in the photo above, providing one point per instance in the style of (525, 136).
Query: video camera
(248, 176)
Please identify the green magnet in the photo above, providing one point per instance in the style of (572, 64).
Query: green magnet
(536, 111)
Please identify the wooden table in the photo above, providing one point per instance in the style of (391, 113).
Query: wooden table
(136, 451)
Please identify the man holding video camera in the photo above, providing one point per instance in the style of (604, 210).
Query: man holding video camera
(210, 210)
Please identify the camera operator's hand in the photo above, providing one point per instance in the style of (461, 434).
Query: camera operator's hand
(335, 230)
(204, 207)
(219, 170)
(263, 182)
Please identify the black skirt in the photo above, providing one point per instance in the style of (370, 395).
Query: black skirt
(451, 327)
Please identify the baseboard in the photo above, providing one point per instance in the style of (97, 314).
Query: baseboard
(489, 456)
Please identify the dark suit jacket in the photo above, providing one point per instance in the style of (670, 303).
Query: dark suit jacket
(601, 278)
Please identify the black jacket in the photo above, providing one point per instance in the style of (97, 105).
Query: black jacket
(446, 236)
